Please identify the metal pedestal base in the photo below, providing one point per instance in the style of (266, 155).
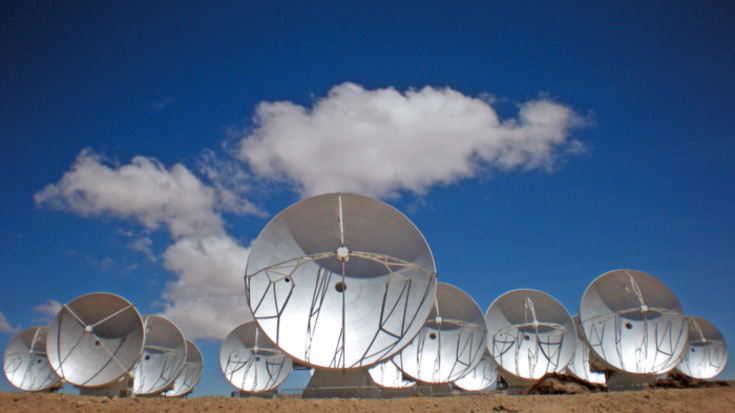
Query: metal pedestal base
(260, 395)
(516, 385)
(618, 381)
(341, 384)
(122, 388)
(435, 390)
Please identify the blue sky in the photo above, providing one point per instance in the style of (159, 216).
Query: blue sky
(637, 173)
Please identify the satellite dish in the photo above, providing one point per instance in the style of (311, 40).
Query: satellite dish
(164, 354)
(579, 367)
(387, 375)
(340, 281)
(450, 344)
(25, 362)
(481, 377)
(633, 323)
(95, 340)
(190, 376)
(706, 352)
(529, 334)
(251, 361)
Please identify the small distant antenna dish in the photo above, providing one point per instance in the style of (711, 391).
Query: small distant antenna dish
(251, 361)
(706, 352)
(95, 340)
(25, 362)
(450, 344)
(340, 281)
(481, 377)
(387, 375)
(529, 334)
(190, 376)
(633, 323)
(580, 364)
(164, 354)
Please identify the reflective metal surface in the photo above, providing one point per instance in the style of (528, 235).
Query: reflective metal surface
(95, 340)
(633, 322)
(451, 342)
(706, 353)
(190, 376)
(25, 363)
(340, 281)
(164, 354)
(481, 377)
(387, 375)
(529, 334)
(251, 361)
(580, 364)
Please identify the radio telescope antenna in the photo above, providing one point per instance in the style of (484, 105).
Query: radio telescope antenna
(25, 362)
(190, 376)
(706, 352)
(164, 355)
(529, 334)
(251, 361)
(95, 340)
(450, 344)
(481, 377)
(635, 325)
(388, 376)
(340, 281)
(579, 367)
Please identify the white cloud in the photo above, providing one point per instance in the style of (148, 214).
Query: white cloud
(143, 244)
(207, 300)
(5, 326)
(48, 311)
(210, 285)
(380, 142)
(143, 190)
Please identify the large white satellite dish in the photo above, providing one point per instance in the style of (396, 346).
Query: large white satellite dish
(164, 354)
(251, 361)
(634, 324)
(450, 344)
(387, 375)
(706, 352)
(579, 367)
(529, 334)
(340, 281)
(481, 377)
(25, 363)
(95, 340)
(190, 376)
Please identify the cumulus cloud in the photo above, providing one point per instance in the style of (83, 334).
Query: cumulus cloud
(5, 326)
(380, 142)
(47, 310)
(207, 300)
(209, 287)
(143, 190)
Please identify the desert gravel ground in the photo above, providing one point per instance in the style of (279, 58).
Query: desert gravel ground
(653, 401)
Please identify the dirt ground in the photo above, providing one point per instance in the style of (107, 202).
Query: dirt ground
(649, 401)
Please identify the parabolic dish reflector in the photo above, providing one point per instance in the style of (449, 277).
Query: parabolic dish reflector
(481, 377)
(451, 342)
(190, 376)
(251, 361)
(529, 334)
(706, 352)
(25, 362)
(387, 375)
(340, 281)
(580, 364)
(633, 322)
(164, 354)
(95, 340)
